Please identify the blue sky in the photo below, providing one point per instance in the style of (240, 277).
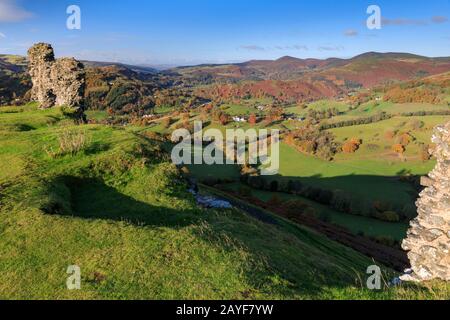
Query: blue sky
(219, 31)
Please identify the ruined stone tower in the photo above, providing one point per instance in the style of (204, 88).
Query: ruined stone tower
(55, 82)
(428, 241)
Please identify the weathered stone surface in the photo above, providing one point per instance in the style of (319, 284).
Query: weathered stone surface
(428, 240)
(58, 82)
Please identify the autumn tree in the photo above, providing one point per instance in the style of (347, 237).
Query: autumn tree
(252, 120)
(185, 116)
(224, 119)
(166, 122)
(405, 139)
(398, 148)
(425, 153)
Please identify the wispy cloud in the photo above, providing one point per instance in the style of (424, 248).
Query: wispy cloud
(2, 35)
(439, 19)
(350, 33)
(293, 47)
(403, 22)
(414, 22)
(253, 48)
(330, 48)
(11, 11)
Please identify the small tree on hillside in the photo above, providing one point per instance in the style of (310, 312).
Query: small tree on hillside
(166, 122)
(399, 148)
(252, 120)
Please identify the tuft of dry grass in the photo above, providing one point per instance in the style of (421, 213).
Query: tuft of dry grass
(70, 142)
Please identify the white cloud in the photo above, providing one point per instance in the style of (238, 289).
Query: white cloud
(2, 35)
(350, 33)
(253, 47)
(292, 47)
(11, 11)
(330, 48)
(403, 22)
(439, 19)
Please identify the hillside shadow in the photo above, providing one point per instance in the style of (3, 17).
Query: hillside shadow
(22, 127)
(97, 147)
(93, 199)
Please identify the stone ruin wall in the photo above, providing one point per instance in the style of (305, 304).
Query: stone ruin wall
(58, 82)
(428, 240)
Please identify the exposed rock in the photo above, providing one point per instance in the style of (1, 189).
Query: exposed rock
(58, 82)
(428, 240)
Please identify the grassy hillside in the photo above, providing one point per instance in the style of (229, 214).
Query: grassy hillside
(120, 210)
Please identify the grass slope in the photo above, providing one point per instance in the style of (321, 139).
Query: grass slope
(120, 211)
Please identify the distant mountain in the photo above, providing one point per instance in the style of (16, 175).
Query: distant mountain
(371, 69)
(12, 63)
(102, 78)
(366, 70)
(287, 79)
(139, 69)
(14, 81)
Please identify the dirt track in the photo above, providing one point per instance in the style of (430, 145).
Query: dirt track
(390, 257)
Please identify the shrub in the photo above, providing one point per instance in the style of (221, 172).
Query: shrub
(256, 182)
(274, 186)
(398, 148)
(389, 216)
(166, 122)
(425, 153)
(245, 191)
(185, 171)
(385, 240)
(252, 120)
(294, 186)
(153, 136)
(405, 139)
(274, 200)
(185, 116)
(295, 207)
(224, 119)
(352, 145)
(380, 206)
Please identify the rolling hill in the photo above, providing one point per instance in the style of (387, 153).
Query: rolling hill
(288, 79)
(381, 66)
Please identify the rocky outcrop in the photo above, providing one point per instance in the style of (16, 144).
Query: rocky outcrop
(428, 241)
(58, 82)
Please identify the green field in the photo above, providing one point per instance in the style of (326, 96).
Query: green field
(97, 115)
(356, 224)
(395, 108)
(370, 175)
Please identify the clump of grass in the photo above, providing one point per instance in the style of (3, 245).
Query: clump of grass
(70, 142)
